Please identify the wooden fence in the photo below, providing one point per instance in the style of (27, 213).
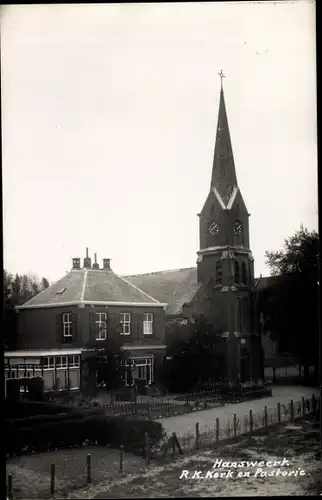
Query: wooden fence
(203, 437)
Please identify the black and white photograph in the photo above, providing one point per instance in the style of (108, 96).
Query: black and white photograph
(160, 250)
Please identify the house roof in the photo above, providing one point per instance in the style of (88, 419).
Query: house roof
(262, 283)
(175, 287)
(81, 286)
(171, 289)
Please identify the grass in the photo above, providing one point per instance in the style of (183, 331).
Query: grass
(296, 442)
(31, 473)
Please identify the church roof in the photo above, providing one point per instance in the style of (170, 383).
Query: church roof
(81, 286)
(175, 287)
(224, 178)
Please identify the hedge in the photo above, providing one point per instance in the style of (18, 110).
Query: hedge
(59, 417)
(19, 409)
(63, 433)
(66, 432)
(130, 433)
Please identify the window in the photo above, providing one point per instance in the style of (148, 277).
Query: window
(236, 278)
(218, 272)
(100, 326)
(74, 361)
(147, 324)
(48, 363)
(139, 369)
(67, 325)
(126, 323)
(244, 273)
(61, 362)
(61, 291)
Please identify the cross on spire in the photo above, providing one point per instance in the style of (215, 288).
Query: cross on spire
(221, 74)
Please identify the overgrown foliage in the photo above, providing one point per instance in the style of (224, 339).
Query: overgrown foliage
(33, 426)
(292, 306)
(103, 363)
(18, 289)
(193, 359)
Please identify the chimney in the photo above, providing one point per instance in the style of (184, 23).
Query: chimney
(95, 265)
(76, 263)
(87, 260)
(107, 264)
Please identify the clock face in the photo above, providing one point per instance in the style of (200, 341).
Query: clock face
(213, 228)
(238, 227)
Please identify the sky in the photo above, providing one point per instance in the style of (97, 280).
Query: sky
(109, 116)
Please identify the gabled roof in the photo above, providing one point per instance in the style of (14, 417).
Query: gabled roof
(176, 287)
(81, 286)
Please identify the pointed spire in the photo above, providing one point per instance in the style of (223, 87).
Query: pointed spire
(223, 177)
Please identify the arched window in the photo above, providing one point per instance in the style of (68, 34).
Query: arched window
(236, 279)
(244, 273)
(218, 272)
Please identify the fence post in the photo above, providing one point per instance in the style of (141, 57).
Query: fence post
(303, 407)
(173, 439)
(177, 443)
(313, 403)
(279, 413)
(89, 468)
(217, 430)
(147, 448)
(197, 436)
(265, 416)
(9, 487)
(292, 410)
(52, 479)
(235, 425)
(121, 457)
(250, 421)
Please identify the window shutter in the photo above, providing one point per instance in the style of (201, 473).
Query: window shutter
(107, 324)
(137, 326)
(59, 328)
(113, 328)
(92, 333)
(74, 326)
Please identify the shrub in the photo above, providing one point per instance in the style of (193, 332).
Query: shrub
(20, 409)
(48, 432)
(59, 417)
(131, 433)
(59, 433)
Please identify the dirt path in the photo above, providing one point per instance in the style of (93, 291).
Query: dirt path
(185, 424)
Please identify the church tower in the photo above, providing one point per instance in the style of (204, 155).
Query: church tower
(225, 265)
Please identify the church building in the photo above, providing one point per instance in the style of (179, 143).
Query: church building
(90, 302)
(222, 287)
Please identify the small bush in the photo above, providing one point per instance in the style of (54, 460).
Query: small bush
(20, 409)
(58, 433)
(131, 433)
